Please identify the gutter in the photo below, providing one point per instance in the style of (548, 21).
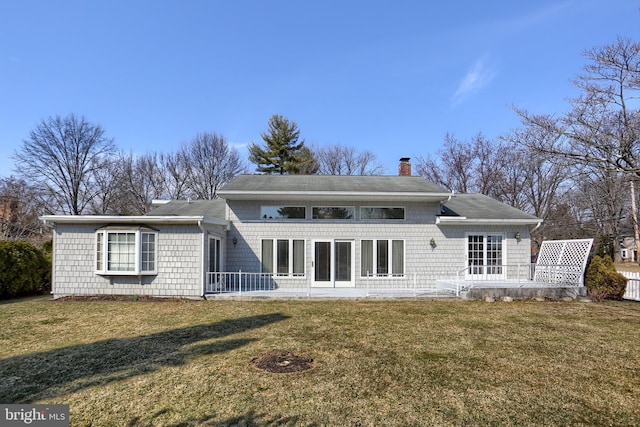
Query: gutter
(140, 219)
(462, 220)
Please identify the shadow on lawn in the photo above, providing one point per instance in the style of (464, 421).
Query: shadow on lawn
(48, 374)
(248, 419)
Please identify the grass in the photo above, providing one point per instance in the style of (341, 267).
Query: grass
(392, 363)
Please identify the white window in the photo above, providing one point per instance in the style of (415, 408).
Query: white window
(126, 251)
(285, 257)
(382, 258)
(485, 254)
(624, 253)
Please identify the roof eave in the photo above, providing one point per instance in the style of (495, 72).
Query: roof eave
(139, 219)
(443, 220)
(333, 195)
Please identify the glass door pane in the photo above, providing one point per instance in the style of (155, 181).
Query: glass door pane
(322, 261)
(343, 261)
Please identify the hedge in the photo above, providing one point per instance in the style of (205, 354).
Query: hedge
(603, 281)
(24, 270)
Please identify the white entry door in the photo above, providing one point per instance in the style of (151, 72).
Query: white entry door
(333, 263)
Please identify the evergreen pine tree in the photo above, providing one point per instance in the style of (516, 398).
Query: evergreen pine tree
(282, 153)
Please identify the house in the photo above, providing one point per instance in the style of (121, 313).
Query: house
(295, 232)
(628, 250)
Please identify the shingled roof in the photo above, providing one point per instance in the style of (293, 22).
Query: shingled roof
(478, 208)
(321, 187)
(210, 208)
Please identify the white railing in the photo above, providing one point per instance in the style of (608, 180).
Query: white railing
(240, 281)
(444, 281)
(416, 282)
(633, 285)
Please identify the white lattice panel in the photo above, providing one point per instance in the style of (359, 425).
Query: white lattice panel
(563, 261)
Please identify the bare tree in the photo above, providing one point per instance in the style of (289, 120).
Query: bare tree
(339, 159)
(472, 166)
(61, 156)
(144, 180)
(210, 163)
(176, 174)
(19, 211)
(602, 130)
(537, 177)
(453, 166)
(110, 188)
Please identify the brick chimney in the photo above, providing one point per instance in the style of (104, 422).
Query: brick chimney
(405, 167)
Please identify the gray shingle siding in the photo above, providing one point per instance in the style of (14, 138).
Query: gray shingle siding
(416, 230)
(179, 264)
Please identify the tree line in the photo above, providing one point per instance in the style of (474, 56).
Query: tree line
(573, 170)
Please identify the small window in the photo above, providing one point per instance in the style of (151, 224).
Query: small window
(285, 257)
(283, 212)
(126, 252)
(333, 212)
(382, 258)
(381, 213)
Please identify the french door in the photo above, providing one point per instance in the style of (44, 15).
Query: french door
(333, 263)
(485, 256)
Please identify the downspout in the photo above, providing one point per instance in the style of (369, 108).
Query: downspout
(536, 227)
(203, 277)
(531, 231)
(444, 202)
(53, 257)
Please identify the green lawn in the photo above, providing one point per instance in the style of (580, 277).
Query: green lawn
(376, 363)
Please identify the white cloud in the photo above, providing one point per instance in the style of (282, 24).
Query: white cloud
(478, 76)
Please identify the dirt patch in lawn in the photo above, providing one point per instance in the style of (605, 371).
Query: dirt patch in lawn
(282, 362)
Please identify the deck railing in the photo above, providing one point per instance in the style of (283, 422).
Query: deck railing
(452, 281)
(241, 281)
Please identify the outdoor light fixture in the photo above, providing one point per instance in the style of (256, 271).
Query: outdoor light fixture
(517, 236)
(235, 240)
(433, 242)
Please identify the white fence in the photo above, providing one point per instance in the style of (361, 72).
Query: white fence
(633, 286)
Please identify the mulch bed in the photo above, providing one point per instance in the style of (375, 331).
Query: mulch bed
(282, 362)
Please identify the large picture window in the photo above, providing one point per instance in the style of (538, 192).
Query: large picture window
(382, 258)
(284, 257)
(126, 251)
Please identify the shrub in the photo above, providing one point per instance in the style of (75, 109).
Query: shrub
(603, 281)
(24, 270)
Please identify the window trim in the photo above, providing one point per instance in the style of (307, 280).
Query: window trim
(290, 257)
(390, 253)
(101, 251)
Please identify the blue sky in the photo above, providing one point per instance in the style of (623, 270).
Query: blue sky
(389, 77)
